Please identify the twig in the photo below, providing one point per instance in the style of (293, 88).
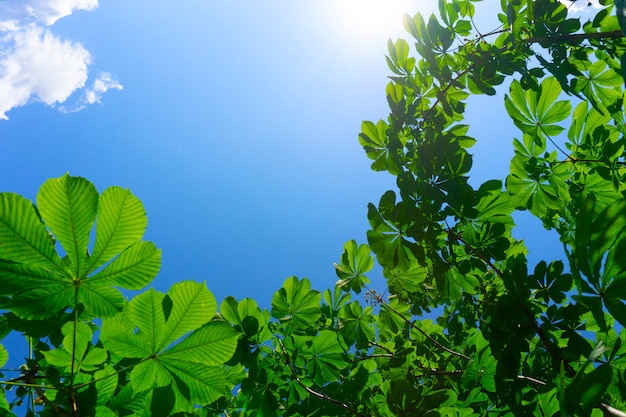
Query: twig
(312, 391)
(575, 38)
(529, 314)
(427, 336)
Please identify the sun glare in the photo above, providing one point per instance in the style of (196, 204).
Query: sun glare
(363, 21)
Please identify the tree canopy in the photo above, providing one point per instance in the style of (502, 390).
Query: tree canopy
(465, 326)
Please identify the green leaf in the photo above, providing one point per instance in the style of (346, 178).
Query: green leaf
(43, 301)
(213, 344)
(100, 299)
(134, 268)
(536, 113)
(4, 356)
(355, 262)
(357, 324)
(205, 383)
(144, 375)
(121, 222)
(146, 311)
(24, 237)
(324, 356)
(117, 335)
(68, 206)
(76, 337)
(192, 306)
(296, 303)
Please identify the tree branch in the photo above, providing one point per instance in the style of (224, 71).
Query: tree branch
(311, 391)
(529, 314)
(575, 38)
(427, 336)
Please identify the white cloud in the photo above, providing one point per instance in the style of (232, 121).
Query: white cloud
(577, 6)
(45, 12)
(38, 66)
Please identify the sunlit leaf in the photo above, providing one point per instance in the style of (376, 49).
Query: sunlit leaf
(192, 306)
(121, 222)
(68, 206)
(296, 303)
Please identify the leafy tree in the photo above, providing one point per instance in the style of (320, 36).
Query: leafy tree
(503, 337)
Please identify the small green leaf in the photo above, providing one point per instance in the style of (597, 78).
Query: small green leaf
(355, 262)
(296, 303)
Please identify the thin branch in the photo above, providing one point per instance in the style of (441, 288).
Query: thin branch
(529, 314)
(531, 379)
(599, 161)
(312, 391)
(575, 38)
(427, 336)
(378, 345)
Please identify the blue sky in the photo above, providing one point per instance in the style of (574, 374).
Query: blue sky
(234, 122)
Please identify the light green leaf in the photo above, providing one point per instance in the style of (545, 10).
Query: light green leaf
(213, 344)
(106, 383)
(76, 338)
(495, 205)
(95, 356)
(17, 277)
(205, 383)
(296, 303)
(121, 222)
(68, 206)
(102, 411)
(134, 268)
(117, 335)
(43, 301)
(146, 311)
(356, 260)
(4, 355)
(100, 299)
(229, 308)
(58, 357)
(536, 113)
(192, 306)
(24, 237)
(144, 375)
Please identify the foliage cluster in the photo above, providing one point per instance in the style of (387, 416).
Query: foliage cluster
(506, 338)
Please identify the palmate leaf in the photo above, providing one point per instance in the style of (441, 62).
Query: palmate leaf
(150, 329)
(356, 260)
(537, 112)
(375, 141)
(325, 357)
(32, 272)
(296, 304)
(357, 325)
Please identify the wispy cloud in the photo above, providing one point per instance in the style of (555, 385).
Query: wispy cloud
(93, 94)
(38, 66)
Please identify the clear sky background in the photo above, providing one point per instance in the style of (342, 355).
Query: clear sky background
(235, 122)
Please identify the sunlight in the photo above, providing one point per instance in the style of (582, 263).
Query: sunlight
(364, 21)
